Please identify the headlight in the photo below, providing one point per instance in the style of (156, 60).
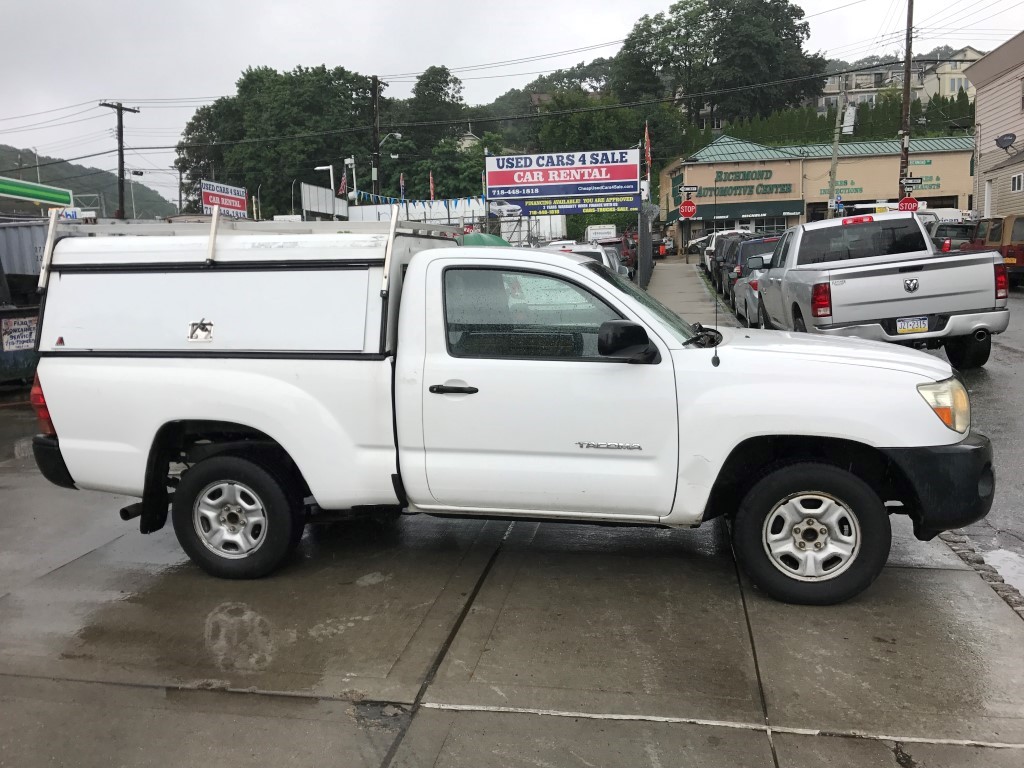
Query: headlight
(950, 401)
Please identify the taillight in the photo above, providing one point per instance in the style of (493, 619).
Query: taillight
(1002, 282)
(753, 284)
(947, 245)
(821, 300)
(38, 401)
(857, 220)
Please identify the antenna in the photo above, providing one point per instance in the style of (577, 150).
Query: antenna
(715, 360)
(1006, 140)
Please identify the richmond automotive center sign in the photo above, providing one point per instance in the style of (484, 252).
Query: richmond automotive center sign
(567, 182)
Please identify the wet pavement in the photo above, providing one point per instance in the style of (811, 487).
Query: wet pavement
(449, 643)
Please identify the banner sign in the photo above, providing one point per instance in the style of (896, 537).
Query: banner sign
(571, 182)
(232, 200)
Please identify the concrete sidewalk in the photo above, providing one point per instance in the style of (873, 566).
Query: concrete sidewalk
(682, 288)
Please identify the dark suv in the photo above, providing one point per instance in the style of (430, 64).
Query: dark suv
(725, 246)
(735, 265)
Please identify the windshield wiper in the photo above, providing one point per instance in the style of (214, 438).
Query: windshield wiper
(704, 337)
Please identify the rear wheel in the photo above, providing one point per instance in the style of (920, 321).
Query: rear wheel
(966, 352)
(812, 534)
(235, 519)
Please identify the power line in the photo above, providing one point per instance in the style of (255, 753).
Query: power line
(508, 62)
(45, 112)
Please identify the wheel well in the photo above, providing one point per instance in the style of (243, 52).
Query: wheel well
(757, 456)
(796, 312)
(191, 441)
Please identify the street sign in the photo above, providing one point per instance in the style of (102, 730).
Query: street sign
(831, 205)
(908, 204)
(911, 181)
(687, 209)
(690, 188)
(839, 198)
(37, 193)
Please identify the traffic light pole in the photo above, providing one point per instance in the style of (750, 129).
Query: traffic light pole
(120, 109)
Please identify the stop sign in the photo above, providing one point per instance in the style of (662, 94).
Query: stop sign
(908, 204)
(688, 209)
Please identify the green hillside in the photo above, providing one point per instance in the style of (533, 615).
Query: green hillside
(82, 180)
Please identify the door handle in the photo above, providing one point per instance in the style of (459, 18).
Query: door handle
(444, 389)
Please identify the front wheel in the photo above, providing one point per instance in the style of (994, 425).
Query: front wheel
(965, 352)
(812, 534)
(235, 519)
(763, 319)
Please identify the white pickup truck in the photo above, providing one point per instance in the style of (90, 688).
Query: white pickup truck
(878, 276)
(247, 380)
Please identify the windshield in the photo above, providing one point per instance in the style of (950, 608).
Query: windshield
(886, 237)
(679, 328)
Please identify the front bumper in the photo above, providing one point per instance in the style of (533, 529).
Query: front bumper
(993, 321)
(954, 484)
(48, 457)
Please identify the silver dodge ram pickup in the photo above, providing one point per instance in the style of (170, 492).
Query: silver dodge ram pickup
(879, 277)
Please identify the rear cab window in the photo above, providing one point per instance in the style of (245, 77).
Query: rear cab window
(885, 237)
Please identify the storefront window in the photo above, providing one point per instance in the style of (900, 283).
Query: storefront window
(770, 224)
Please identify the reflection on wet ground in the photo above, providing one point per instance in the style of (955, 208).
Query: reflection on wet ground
(467, 642)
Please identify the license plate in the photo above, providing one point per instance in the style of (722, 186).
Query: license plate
(1009, 261)
(911, 325)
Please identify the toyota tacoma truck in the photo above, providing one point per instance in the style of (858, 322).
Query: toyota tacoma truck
(878, 277)
(247, 380)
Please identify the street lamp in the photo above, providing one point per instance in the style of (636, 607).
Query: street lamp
(354, 194)
(375, 162)
(334, 190)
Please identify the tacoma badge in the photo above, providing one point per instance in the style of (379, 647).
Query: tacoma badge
(613, 446)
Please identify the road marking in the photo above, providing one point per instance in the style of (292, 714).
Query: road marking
(768, 729)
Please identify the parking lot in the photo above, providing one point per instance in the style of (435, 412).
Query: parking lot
(438, 642)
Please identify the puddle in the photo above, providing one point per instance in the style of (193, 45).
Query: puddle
(1010, 566)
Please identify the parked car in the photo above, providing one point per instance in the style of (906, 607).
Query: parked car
(747, 301)
(621, 244)
(502, 208)
(950, 235)
(735, 265)
(697, 245)
(876, 277)
(1005, 235)
(725, 248)
(606, 256)
(399, 371)
(709, 248)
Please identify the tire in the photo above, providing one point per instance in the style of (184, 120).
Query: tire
(226, 486)
(798, 323)
(965, 352)
(769, 526)
(762, 316)
(756, 322)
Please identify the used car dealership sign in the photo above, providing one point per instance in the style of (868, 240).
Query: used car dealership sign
(567, 182)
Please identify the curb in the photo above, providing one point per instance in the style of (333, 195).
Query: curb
(966, 551)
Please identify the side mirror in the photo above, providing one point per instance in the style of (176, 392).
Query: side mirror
(755, 262)
(623, 270)
(625, 340)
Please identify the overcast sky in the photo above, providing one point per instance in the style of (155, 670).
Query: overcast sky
(71, 56)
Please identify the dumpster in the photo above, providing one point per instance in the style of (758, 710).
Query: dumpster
(18, 342)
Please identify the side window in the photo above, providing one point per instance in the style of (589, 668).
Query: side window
(781, 252)
(495, 313)
(995, 232)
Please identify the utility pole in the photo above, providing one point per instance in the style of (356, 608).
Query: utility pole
(120, 109)
(375, 173)
(179, 190)
(905, 131)
(840, 109)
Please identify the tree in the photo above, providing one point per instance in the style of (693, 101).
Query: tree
(436, 98)
(276, 129)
